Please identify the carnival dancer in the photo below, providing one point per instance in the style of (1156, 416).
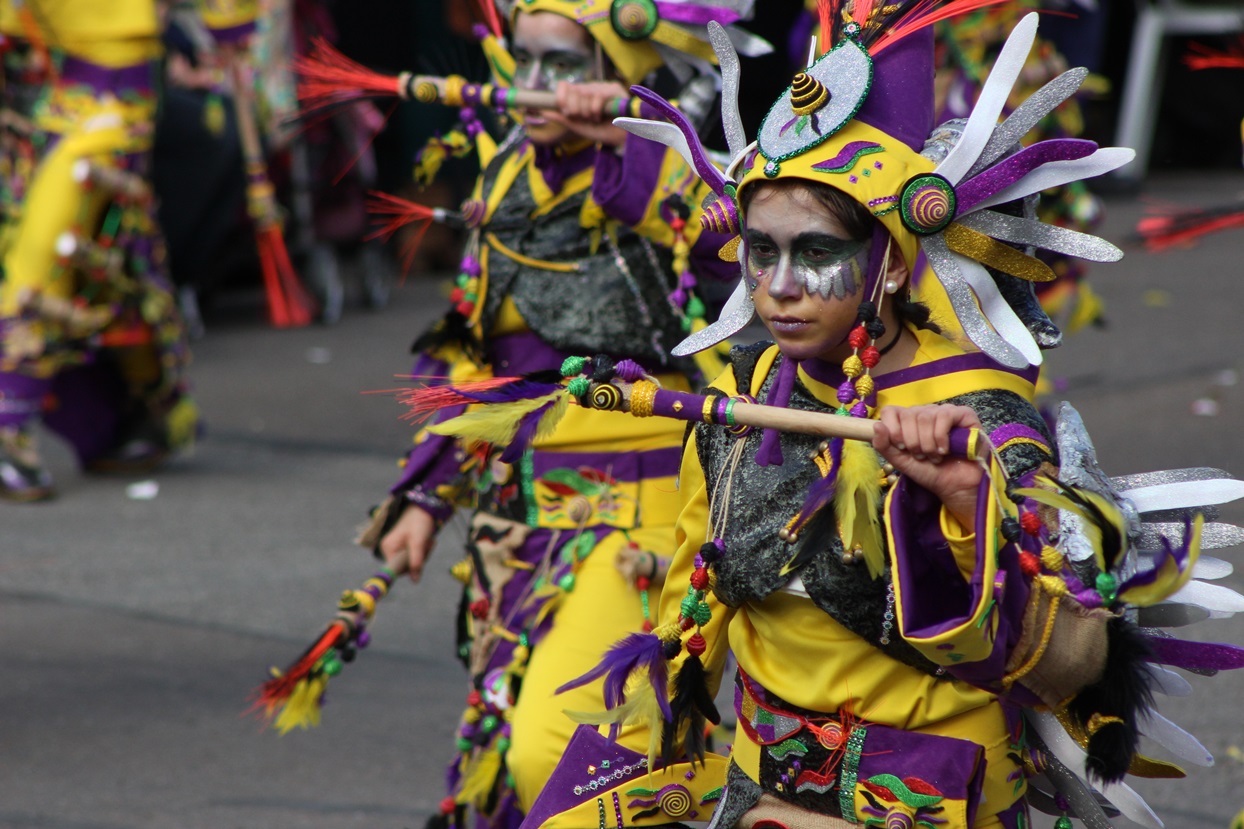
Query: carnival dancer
(578, 243)
(920, 637)
(90, 338)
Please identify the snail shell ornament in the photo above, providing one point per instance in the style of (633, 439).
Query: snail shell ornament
(807, 94)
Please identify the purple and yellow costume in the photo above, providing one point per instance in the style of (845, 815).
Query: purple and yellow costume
(90, 338)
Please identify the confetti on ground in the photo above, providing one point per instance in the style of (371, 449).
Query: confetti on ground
(142, 490)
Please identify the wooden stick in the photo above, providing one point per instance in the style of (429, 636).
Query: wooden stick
(454, 90)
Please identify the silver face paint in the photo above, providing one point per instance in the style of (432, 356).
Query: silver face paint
(814, 262)
(548, 60)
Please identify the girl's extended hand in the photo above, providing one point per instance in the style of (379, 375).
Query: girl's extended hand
(410, 541)
(916, 442)
(581, 108)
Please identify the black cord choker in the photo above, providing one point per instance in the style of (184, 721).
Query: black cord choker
(890, 345)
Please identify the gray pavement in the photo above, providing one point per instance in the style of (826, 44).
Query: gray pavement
(133, 630)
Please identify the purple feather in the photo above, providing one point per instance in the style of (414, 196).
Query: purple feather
(636, 652)
(1196, 656)
(525, 434)
(1010, 170)
(514, 392)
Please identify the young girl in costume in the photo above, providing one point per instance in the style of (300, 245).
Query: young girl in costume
(918, 634)
(90, 338)
(578, 244)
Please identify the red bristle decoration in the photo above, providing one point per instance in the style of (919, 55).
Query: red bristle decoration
(289, 304)
(1201, 56)
(328, 77)
(861, 11)
(398, 213)
(926, 13)
(277, 690)
(488, 11)
(423, 401)
(826, 12)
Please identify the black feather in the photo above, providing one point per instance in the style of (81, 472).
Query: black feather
(692, 705)
(816, 537)
(1124, 691)
(1113, 544)
(451, 329)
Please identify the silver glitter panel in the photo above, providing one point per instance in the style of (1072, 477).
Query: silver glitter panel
(846, 71)
(1001, 316)
(1214, 536)
(728, 61)
(1026, 116)
(1039, 234)
(1169, 476)
(735, 315)
(963, 301)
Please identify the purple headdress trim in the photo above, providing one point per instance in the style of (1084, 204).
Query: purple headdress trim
(770, 451)
(1196, 656)
(696, 15)
(638, 651)
(705, 168)
(1010, 170)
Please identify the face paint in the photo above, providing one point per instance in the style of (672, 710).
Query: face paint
(549, 61)
(814, 262)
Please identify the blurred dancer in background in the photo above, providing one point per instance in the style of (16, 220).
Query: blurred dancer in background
(90, 338)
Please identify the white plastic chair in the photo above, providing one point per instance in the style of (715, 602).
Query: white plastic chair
(1142, 88)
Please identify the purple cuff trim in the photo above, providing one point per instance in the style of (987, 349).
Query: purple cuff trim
(1194, 656)
(1005, 173)
(21, 397)
(1011, 431)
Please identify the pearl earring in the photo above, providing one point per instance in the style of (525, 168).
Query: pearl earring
(891, 286)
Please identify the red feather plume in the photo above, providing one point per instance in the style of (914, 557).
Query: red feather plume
(915, 15)
(327, 77)
(272, 694)
(394, 213)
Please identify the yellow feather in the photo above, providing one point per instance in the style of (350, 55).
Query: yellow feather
(857, 497)
(480, 778)
(496, 423)
(641, 708)
(1170, 579)
(302, 709)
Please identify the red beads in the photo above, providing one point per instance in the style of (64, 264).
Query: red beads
(699, 578)
(479, 608)
(457, 295)
(870, 356)
(448, 804)
(465, 308)
(1030, 523)
(1030, 564)
(696, 645)
(474, 699)
(858, 338)
(642, 583)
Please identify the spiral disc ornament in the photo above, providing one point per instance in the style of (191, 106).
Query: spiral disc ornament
(675, 801)
(634, 19)
(927, 204)
(606, 396)
(807, 94)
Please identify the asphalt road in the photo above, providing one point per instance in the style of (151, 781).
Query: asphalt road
(132, 631)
